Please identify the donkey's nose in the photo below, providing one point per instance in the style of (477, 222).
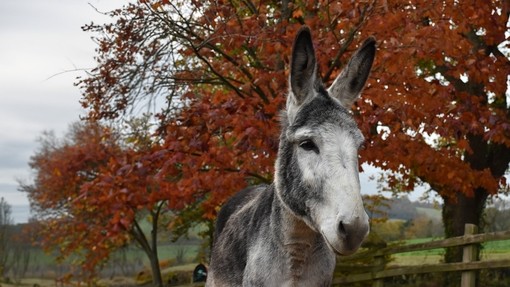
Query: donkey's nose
(342, 231)
(352, 232)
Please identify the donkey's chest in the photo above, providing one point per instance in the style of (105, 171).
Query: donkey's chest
(294, 265)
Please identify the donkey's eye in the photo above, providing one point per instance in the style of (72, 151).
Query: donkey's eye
(309, 145)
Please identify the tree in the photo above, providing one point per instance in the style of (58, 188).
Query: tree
(81, 206)
(435, 109)
(5, 236)
(445, 78)
(21, 252)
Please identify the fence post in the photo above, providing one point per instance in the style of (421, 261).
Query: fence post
(468, 278)
(379, 262)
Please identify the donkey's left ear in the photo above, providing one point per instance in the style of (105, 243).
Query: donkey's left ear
(303, 67)
(349, 84)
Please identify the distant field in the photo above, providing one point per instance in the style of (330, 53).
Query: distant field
(401, 260)
(502, 246)
(46, 265)
(490, 250)
(168, 251)
(430, 212)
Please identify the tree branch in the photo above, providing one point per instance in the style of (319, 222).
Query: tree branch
(191, 37)
(352, 33)
(139, 237)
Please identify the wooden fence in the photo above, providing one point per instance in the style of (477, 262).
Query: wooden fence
(378, 270)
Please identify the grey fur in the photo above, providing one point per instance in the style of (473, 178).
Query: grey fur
(281, 234)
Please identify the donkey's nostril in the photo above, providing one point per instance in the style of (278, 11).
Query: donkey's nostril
(341, 229)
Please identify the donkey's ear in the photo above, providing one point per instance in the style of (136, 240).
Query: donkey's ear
(349, 84)
(303, 67)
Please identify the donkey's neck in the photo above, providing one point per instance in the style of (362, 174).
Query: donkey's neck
(297, 239)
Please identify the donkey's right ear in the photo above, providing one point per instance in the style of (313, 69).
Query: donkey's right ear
(303, 67)
(349, 84)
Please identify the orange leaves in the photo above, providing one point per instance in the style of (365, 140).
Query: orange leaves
(463, 145)
(57, 172)
(211, 152)
(298, 13)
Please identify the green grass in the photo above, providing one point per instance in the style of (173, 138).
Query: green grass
(399, 260)
(165, 252)
(502, 246)
(422, 253)
(490, 250)
(168, 251)
(420, 240)
(39, 258)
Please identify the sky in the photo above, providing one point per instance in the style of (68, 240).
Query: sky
(42, 51)
(40, 42)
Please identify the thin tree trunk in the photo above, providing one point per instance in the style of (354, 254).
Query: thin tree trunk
(157, 279)
(156, 270)
(150, 249)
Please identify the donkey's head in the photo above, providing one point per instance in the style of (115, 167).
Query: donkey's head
(317, 167)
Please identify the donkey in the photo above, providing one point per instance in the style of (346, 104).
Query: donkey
(289, 233)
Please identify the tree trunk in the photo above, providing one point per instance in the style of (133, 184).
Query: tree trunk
(460, 209)
(150, 249)
(157, 279)
(456, 213)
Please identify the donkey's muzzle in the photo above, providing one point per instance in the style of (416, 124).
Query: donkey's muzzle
(341, 230)
(352, 233)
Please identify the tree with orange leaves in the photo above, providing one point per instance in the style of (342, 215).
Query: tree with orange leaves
(91, 192)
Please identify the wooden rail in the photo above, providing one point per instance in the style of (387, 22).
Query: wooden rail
(469, 241)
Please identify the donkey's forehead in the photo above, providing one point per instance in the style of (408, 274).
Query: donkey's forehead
(325, 130)
(323, 111)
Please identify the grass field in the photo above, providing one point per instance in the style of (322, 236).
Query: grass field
(167, 251)
(187, 252)
(490, 250)
(43, 268)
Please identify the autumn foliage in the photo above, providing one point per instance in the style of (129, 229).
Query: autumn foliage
(61, 168)
(435, 109)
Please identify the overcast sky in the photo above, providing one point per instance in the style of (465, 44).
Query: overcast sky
(39, 41)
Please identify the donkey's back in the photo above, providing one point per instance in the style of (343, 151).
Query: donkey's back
(234, 204)
(239, 221)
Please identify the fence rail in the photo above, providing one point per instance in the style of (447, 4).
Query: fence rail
(469, 241)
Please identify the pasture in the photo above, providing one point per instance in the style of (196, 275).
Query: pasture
(493, 250)
(183, 257)
(377, 267)
(125, 265)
